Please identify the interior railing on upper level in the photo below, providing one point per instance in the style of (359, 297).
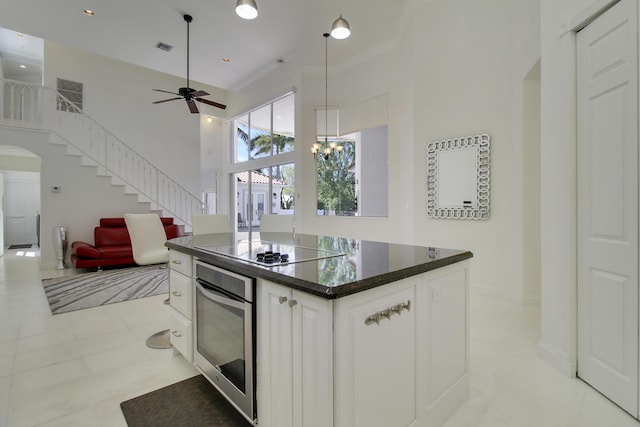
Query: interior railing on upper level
(43, 108)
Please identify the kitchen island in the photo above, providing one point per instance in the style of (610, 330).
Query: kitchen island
(348, 332)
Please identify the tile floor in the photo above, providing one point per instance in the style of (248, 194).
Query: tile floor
(74, 369)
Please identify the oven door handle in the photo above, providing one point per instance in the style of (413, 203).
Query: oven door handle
(219, 297)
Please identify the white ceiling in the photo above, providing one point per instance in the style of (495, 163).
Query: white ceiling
(289, 30)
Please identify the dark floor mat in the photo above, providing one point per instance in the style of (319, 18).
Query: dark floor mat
(193, 402)
(24, 246)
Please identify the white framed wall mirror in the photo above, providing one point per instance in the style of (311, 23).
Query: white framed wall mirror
(352, 175)
(458, 178)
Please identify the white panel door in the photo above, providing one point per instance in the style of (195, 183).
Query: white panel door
(608, 205)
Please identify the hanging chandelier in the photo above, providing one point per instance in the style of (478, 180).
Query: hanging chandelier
(326, 148)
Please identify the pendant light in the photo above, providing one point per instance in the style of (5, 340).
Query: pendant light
(340, 28)
(327, 148)
(247, 9)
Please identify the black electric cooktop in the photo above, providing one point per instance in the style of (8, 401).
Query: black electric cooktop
(268, 254)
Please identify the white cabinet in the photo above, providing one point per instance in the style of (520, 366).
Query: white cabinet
(294, 358)
(376, 357)
(181, 302)
(402, 351)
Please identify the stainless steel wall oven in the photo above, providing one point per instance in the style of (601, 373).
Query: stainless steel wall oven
(225, 334)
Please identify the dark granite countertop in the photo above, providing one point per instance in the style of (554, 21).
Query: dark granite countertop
(357, 265)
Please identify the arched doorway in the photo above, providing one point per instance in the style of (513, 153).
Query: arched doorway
(20, 187)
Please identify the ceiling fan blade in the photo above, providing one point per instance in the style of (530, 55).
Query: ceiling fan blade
(212, 103)
(199, 93)
(165, 100)
(166, 91)
(192, 107)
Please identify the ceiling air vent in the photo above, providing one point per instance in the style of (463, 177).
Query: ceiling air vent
(164, 46)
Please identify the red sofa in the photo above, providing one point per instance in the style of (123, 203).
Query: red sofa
(112, 244)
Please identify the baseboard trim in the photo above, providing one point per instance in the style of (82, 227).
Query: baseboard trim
(557, 358)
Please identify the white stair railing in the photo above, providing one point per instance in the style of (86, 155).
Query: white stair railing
(43, 108)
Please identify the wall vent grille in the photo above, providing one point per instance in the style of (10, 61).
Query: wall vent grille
(164, 46)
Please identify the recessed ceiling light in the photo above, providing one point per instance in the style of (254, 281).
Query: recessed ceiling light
(226, 60)
(20, 35)
(209, 119)
(88, 12)
(23, 66)
(12, 149)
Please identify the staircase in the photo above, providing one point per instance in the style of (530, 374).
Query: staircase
(41, 108)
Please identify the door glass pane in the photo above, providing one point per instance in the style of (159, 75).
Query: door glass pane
(283, 189)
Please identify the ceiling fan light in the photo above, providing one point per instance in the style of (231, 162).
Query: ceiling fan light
(340, 28)
(247, 9)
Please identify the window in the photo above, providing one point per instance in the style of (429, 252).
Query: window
(265, 131)
(262, 176)
(353, 182)
(71, 96)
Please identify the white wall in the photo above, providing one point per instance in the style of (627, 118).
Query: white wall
(119, 96)
(458, 68)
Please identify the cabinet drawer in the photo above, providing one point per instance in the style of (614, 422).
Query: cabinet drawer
(180, 292)
(181, 331)
(180, 262)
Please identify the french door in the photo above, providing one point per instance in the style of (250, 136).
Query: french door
(607, 72)
(256, 208)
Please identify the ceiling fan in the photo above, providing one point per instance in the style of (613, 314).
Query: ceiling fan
(189, 94)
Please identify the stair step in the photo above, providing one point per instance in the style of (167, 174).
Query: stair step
(89, 162)
(117, 181)
(103, 172)
(72, 151)
(130, 190)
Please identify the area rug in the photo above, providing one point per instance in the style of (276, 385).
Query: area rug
(105, 287)
(193, 402)
(21, 246)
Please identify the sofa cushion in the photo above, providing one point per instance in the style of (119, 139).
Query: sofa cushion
(111, 236)
(110, 252)
(85, 250)
(119, 222)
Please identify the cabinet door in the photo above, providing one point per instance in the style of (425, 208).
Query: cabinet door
(375, 362)
(274, 346)
(312, 361)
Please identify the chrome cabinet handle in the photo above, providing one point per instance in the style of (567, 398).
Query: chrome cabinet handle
(282, 300)
(176, 294)
(292, 303)
(176, 333)
(374, 318)
(387, 312)
(176, 261)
